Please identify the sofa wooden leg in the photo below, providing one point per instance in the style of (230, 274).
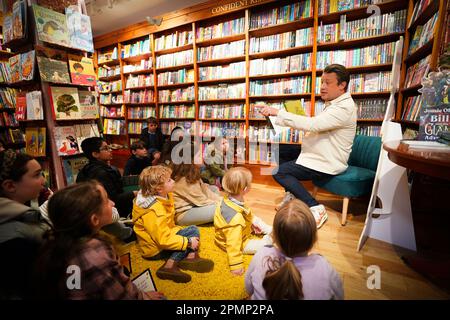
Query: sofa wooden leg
(344, 210)
(314, 193)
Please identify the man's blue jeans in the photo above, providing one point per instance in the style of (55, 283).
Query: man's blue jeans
(289, 176)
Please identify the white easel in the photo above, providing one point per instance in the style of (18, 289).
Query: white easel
(393, 222)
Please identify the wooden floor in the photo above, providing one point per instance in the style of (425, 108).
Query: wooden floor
(338, 245)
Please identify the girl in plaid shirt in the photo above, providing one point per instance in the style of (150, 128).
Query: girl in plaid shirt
(76, 262)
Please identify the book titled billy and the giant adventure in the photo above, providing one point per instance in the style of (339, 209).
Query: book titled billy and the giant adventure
(433, 121)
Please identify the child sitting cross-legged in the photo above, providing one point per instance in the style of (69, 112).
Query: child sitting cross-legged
(234, 222)
(158, 236)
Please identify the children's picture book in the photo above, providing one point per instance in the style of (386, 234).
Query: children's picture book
(7, 28)
(21, 106)
(53, 70)
(66, 104)
(71, 168)
(18, 19)
(66, 141)
(51, 26)
(27, 65)
(34, 105)
(145, 282)
(84, 131)
(14, 67)
(433, 121)
(51, 53)
(88, 104)
(31, 140)
(80, 31)
(82, 70)
(125, 262)
(42, 141)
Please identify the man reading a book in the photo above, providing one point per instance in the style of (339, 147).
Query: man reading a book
(327, 142)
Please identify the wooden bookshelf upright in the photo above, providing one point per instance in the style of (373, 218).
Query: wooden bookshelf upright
(213, 13)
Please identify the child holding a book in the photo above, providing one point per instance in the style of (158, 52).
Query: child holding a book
(287, 271)
(158, 236)
(234, 222)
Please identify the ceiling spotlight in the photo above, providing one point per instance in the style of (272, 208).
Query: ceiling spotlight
(154, 21)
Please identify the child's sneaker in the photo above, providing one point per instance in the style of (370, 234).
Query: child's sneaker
(197, 264)
(173, 274)
(287, 197)
(320, 214)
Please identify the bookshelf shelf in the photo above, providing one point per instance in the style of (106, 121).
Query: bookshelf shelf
(5, 54)
(141, 88)
(145, 71)
(281, 53)
(215, 41)
(370, 120)
(221, 120)
(109, 63)
(118, 118)
(411, 90)
(429, 11)
(181, 66)
(57, 84)
(281, 75)
(176, 119)
(221, 61)
(139, 104)
(282, 96)
(137, 58)
(136, 120)
(111, 78)
(222, 100)
(257, 119)
(175, 85)
(366, 69)
(420, 53)
(112, 104)
(410, 123)
(176, 49)
(178, 102)
(359, 13)
(348, 44)
(225, 80)
(281, 28)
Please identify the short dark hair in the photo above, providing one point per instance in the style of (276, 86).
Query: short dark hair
(92, 144)
(137, 145)
(341, 73)
(152, 120)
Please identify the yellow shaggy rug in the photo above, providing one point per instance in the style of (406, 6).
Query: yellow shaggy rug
(219, 284)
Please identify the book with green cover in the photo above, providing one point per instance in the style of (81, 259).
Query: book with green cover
(51, 26)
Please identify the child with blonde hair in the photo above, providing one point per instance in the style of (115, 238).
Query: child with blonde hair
(287, 270)
(234, 222)
(158, 236)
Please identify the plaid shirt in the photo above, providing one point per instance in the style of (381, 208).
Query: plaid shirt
(102, 276)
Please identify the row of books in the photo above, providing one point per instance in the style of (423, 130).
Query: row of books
(108, 55)
(227, 111)
(144, 64)
(35, 141)
(12, 135)
(412, 107)
(142, 96)
(419, 8)
(371, 108)
(112, 111)
(8, 119)
(181, 94)
(378, 54)
(139, 81)
(367, 130)
(178, 76)
(29, 106)
(107, 87)
(71, 103)
(370, 82)
(111, 98)
(255, 111)
(15, 22)
(330, 6)
(176, 39)
(293, 63)
(232, 70)
(222, 29)
(362, 28)
(168, 126)
(223, 91)
(8, 97)
(19, 67)
(135, 49)
(175, 59)
(222, 129)
(423, 34)
(179, 111)
(261, 153)
(141, 112)
(109, 72)
(135, 127)
(287, 13)
(286, 40)
(264, 134)
(293, 85)
(113, 126)
(416, 72)
(232, 49)
(68, 139)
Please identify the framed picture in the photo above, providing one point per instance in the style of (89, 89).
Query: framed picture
(145, 282)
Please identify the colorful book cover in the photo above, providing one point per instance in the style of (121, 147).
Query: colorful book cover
(14, 65)
(80, 31)
(21, 106)
(31, 140)
(18, 15)
(51, 53)
(7, 28)
(82, 70)
(66, 141)
(53, 70)
(72, 167)
(27, 65)
(42, 141)
(66, 104)
(34, 105)
(433, 121)
(88, 104)
(51, 26)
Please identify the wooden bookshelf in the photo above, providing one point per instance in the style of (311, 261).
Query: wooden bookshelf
(201, 16)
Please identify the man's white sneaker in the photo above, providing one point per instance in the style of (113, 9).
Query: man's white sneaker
(287, 197)
(320, 214)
